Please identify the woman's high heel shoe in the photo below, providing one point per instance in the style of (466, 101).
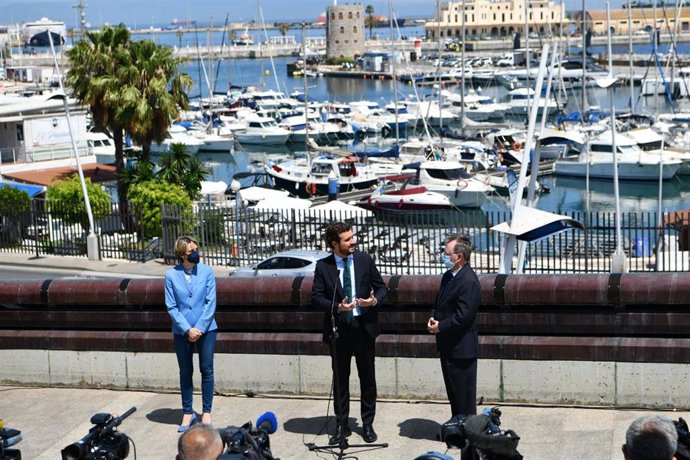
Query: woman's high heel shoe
(192, 421)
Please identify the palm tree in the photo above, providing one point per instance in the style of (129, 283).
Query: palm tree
(131, 87)
(179, 167)
(179, 34)
(94, 63)
(369, 10)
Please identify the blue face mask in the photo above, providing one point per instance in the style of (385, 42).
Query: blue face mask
(445, 260)
(193, 258)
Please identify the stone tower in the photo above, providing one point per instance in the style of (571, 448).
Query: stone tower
(345, 34)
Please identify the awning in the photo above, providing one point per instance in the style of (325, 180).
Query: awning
(338, 209)
(534, 224)
(31, 190)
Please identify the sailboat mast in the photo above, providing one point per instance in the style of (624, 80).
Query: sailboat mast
(462, 74)
(393, 72)
(630, 58)
(583, 107)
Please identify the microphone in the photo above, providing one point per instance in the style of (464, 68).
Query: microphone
(268, 422)
(9, 442)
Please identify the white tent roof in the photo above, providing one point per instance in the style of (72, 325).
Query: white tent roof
(213, 188)
(261, 193)
(337, 208)
(534, 224)
(283, 202)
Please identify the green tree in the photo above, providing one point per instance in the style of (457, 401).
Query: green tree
(141, 169)
(65, 201)
(146, 199)
(180, 167)
(179, 34)
(369, 10)
(283, 28)
(130, 87)
(14, 207)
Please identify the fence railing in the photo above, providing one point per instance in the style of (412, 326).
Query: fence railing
(400, 242)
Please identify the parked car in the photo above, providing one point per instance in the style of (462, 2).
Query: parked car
(295, 262)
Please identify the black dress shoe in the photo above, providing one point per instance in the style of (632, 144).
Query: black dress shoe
(341, 432)
(368, 434)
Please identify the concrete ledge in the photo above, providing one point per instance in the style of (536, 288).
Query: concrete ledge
(651, 385)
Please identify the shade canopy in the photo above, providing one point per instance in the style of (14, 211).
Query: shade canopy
(337, 209)
(532, 225)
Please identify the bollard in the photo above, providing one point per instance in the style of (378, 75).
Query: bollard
(332, 186)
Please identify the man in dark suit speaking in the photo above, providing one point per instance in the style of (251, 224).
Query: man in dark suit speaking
(453, 321)
(348, 285)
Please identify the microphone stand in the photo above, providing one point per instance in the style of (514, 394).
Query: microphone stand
(343, 444)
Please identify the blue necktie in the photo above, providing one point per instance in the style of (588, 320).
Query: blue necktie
(347, 288)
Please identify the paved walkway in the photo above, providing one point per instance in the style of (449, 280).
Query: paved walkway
(107, 267)
(52, 418)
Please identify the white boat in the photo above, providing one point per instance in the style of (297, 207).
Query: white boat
(477, 107)
(408, 198)
(450, 178)
(177, 134)
(35, 33)
(633, 163)
(102, 146)
(305, 178)
(263, 131)
(521, 99)
(434, 114)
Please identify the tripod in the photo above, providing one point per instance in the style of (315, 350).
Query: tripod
(338, 450)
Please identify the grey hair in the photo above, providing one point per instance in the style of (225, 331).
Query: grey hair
(198, 442)
(651, 437)
(463, 244)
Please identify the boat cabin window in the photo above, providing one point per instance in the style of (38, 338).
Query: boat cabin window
(321, 169)
(347, 169)
(448, 174)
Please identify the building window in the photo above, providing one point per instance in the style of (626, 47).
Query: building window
(349, 15)
(340, 15)
(337, 42)
(456, 18)
(342, 30)
(354, 29)
(357, 14)
(333, 16)
(347, 41)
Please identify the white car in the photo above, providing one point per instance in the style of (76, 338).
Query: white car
(296, 262)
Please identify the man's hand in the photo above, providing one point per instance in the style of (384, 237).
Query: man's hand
(194, 334)
(344, 306)
(366, 303)
(432, 326)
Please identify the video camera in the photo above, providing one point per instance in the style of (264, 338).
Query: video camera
(482, 434)
(8, 438)
(683, 448)
(247, 442)
(103, 442)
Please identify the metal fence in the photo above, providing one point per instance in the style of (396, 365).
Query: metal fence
(400, 242)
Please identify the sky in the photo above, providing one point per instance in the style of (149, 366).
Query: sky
(144, 13)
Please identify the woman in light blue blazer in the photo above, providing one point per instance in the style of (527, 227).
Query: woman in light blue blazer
(190, 296)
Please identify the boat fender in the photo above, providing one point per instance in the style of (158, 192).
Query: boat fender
(516, 145)
(400, 203)
(462, 184)
(311, 188)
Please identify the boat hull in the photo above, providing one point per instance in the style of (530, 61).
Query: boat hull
(626, 171)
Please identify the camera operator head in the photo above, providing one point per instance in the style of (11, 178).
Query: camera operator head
(651, 438)
(200, 442)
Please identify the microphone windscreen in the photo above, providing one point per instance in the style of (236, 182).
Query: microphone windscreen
(267, 421)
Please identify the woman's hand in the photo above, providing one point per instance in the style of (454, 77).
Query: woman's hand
(194, 334)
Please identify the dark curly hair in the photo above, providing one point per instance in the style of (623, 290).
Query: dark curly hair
(333, 232)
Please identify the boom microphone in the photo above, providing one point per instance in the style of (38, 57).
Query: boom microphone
(267, 421)
(9, 442)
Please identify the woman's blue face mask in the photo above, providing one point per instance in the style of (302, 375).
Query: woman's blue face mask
(193, 257)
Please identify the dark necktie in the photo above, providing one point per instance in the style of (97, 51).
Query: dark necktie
(347, 287)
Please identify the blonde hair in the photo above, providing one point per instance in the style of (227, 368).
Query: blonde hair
(181, 245)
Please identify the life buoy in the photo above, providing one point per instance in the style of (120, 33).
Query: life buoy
(311, 188)
(462, 184)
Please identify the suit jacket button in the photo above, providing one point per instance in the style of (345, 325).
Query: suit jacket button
(190, 296)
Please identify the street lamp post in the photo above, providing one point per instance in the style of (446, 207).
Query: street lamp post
(235, 186)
